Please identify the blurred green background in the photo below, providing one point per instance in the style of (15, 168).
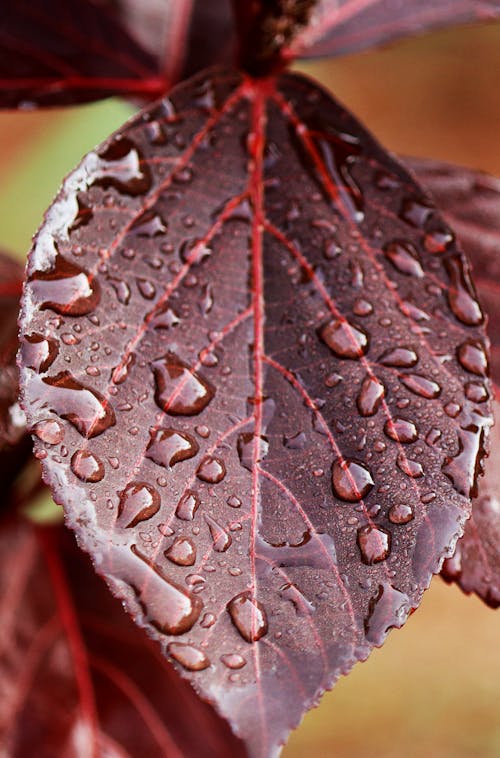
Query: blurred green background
(433, 690)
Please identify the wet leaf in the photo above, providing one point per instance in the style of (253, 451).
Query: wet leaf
(15, 444)
(470, 201)
(256, 418)
(341, 27)
(75, 670)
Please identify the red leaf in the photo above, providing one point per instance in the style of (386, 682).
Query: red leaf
(69, 51)
(75, 670)
(341, 27)
(471, 203)
(256, 418)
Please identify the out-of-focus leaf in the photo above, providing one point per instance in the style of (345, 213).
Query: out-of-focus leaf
(340, 27)
(470, 201)
(256, 410)
(77, 676)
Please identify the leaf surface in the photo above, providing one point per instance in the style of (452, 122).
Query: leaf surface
(75, 670)
(341, 27)
(255, 415)
(470, 201)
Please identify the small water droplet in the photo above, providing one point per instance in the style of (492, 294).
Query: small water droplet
(207, 621)
(233, 660)
(182, 552)
(149, 224)
(179, 390)
(295, 441)
(362, 307)
(461, 296)
(138, 502)
(420, 385)
(87, 466)
(404, 258)
(452, 409)
(234, 501)
(476, 392)
(351, 481)
(248, 616)
(401, 430)
(472, 357)
(344, 339)
(167, 447)
(211, 470)
(121, 372)
(374, 544)
(121, 289)
(370, 396)
(49, 431)
(399, 357)
(146, 288)
(220, 538)
(187, 506)
(416, 212)
(190, 657)
(165, 318)
(411, 468)
(438, 241)
(251, 449)
(401, 513)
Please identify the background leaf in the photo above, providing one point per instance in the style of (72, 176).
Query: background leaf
(341, 27)
(190, 420)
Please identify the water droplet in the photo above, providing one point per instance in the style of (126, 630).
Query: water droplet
(182, 552)
(146, 288)
(190, 657)
(65, 289)
(464, 468)
(187, 506)
(411, 468)
(166, 318)
(207, 621)
(420, 385)
(476, 392)
(388, 610)
(38, 352)
(374, 544)
(404, 258)
(452, 409)
(399, 357)
(220, 538)
(87, 410)
(472, 357)
(233, 661)
(49, 431)
(234, 501)
(416, 212)
(295, 441)
(401, 430)
(149, 224)
(87, 466)
(121, 372)
(168, 446)
(211, 470)
(362, 307)
(251, 449)
(248, 616)
(411, 311)
(179, 390)
(370, 396)
(119, 165)
(344, 339)
(138, 502)
(401, 513)
(461, 296)
(122, 290)
(432, 437)
(351, 481)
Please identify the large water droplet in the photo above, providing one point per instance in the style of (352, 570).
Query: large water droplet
(187, 506)
(388, 610)
(420, 385)
(251, 449)
(344, 339)
(461, 295)
(119, 165)
(463, 469)
(248, 616)
(220, 538)
(121, 372)
(190, 657)
(49, 431)
(166, 318)
(374, 544)
(38, 352)
(87, 466)
(472, 357)
(477, 392)
(404, 258)
(138, 502)
(182, 552)
(168, 446)
(351, 481)
(86, 409)
(399, 357)
(401, 430)
(211, 470)
(370, 396)
(65, 289)
(180, 391)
